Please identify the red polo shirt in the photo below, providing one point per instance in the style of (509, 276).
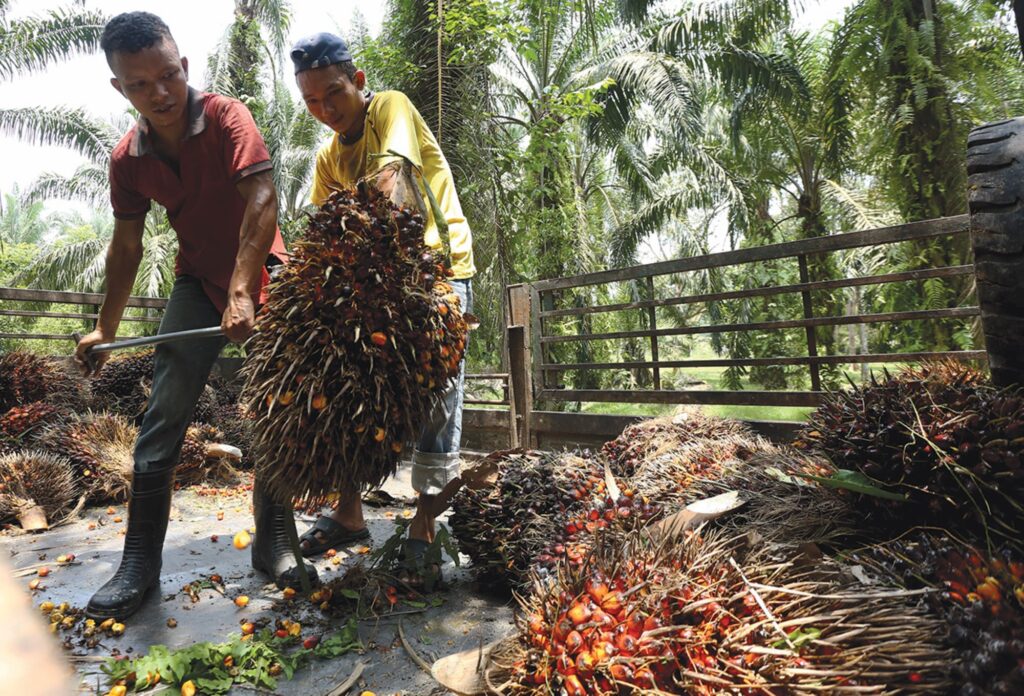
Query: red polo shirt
(222, 145)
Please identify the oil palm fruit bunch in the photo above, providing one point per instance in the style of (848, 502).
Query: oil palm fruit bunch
(981, 597)
(949, 442)
(709, 615)
(506, 528)
(655, 436)
(668, 476)
(100, 447)
(235, 424)
(122, 386)
(26, 378)
(31, 478)
(359, 339)
(779, 501)
(22, 423)
(191, 462)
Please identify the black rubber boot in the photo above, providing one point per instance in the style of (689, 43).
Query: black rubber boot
(148, 510)
(272, 551)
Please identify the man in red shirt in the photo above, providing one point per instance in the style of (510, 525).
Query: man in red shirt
(202, 158)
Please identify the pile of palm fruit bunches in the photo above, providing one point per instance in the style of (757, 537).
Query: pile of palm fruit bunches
(878, 552)
(66, 441)
(358, 341)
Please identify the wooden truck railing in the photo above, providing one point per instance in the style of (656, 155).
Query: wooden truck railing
(534, 308)
(513, 413)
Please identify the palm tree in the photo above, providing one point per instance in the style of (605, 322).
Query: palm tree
(33, 44)
(252, 51)
(929, 69)
(20, 222)
(76, 261)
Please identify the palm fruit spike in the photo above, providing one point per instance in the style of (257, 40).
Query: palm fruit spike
(100, 446)
(26, 378)
(122, 386)
(657, 435)
(22, 423)
(979, 595)
(778, 501)
(191, 462)
(506, 528)
(35, 478)
(236, 426)
(359, 339)
(948, 441)
(685, 617)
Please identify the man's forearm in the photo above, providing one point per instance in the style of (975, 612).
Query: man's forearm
(122, 266)
(259, 225)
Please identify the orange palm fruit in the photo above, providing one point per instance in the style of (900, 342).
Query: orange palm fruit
(580, 613)
(319, 402)
(379, 338)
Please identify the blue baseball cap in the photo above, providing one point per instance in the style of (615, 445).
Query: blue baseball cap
(319, 51)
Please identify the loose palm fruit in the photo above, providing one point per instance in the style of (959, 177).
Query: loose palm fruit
(242, 540)
(241, 601)
(188, 688)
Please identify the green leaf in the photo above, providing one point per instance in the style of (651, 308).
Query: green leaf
(798, 638)
(856, 482)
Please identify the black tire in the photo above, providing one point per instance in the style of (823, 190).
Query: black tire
(995, 169)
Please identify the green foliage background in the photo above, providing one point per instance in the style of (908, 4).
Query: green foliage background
(590, 134)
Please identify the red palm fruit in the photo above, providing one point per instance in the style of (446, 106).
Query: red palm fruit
(644, 678)
(585, 663)
(596, 589)
(651, 623)
(625, 643)
(602, 618)
(603, 650)
(635, 624)
(573, 686)
(580, 613)
(573, 642)
(565, 666)
(611, 603)
(620, 672)
(562, 628)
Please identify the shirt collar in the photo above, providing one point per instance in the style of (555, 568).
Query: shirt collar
(352, 141)
(141, 143)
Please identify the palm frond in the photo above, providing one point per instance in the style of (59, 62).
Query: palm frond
(635, 12)
(156, 272)
(276, 17)
(648, 78)
(855, 206)
(63, 126)
(78, 266)
(89, 184)
(34, 43)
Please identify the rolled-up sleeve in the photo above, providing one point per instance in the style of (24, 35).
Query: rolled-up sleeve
(245, 152)
(128, 204)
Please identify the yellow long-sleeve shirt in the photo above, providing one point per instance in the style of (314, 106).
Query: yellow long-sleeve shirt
(394, 124)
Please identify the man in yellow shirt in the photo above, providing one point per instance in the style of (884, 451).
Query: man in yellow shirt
(366, 125)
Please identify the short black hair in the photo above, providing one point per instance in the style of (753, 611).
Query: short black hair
(130, 32)
(349, 68)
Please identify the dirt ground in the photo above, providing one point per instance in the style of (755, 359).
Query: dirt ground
(467, 618)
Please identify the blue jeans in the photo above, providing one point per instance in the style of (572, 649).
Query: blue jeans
(180, 370)
(435, 461)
